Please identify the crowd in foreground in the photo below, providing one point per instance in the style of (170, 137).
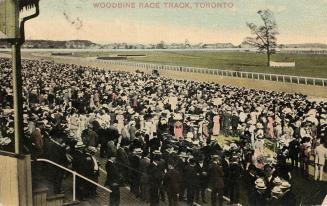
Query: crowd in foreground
(163, 137)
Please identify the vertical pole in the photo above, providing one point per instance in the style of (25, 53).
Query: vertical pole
(74, 187)
(17, 92)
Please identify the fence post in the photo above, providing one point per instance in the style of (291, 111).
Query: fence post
(270, 77)
(323, 82)
(291, 79)
(283, 79)
(306, 80)
(74, 187)
(314, 82)
(298, 80)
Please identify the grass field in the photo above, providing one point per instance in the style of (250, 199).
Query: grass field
(306, 65)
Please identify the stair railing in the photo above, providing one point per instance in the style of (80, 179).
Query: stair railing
(74, 177)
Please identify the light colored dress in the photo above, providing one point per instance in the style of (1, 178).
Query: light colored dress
(216, 125)
(120, 125)
(259, 148)
(270, 127)
(148, 128)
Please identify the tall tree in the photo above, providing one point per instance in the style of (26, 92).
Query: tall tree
(264, 36)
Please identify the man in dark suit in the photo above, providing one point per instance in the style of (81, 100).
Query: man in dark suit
(202, 171)
(56, 152)
(144, 181)
(181, 164)
(294, 151)
(113, 181)
(135, 174)
(155, 179)
(216, 181)
(91, 170)
(191, 181)
(171, 183)
(234, 179)
(123, 163)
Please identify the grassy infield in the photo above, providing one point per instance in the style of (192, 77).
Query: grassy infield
(306, 65)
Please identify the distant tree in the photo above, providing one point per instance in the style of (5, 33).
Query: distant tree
(161, 45)
(264, 36)
(187, 44)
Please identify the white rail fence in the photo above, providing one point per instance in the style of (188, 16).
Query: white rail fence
(219, 72)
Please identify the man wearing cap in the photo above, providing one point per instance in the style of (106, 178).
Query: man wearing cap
(216, 182)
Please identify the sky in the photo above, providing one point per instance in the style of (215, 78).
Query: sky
(300, 21)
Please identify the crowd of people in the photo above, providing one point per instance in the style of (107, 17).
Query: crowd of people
(166, 139)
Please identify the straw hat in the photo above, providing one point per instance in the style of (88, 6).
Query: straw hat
(277, 181)
(285, 185)
(156, 152)
(183, 154)
(92, 149)
(261, 186)
(79, 145)
(137, 151)
(277, 190)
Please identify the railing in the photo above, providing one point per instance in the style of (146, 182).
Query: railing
(228, 73)
(74, 177)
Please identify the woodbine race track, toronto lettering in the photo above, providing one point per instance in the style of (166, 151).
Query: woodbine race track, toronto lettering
(163, 5)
